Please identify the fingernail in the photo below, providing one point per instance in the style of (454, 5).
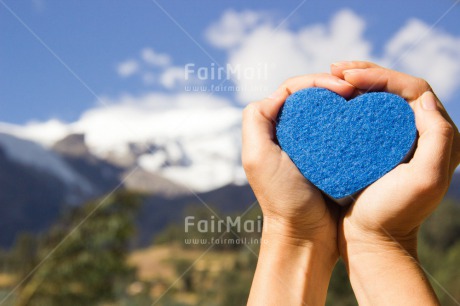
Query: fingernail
(341, 64)
(352, 71)
(428, 102)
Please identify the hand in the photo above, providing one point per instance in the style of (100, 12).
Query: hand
(299, 242)
(291, 205)
(379, 231)
(396, 205)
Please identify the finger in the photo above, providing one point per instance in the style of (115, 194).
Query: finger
(258, 131)
(270, 107)
(338, 67)
(382, 79)
(404, 85)
(324, 80)
(432, 158)
(259, 118)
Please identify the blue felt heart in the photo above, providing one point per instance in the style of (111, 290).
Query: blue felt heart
(343, 146)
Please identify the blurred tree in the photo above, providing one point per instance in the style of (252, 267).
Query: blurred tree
(442, 229)
(185, 269)
(235, 283)
(439, 251)
(243, 229)
(340, 292)
(83, 256)
(21, 257)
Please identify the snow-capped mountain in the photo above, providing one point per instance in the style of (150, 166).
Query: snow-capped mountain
(169, 147)
(191, 140)
(34, 155)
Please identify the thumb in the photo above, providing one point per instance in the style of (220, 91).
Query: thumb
(432, 156)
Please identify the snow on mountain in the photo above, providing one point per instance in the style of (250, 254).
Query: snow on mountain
(193, 139)
(32, 154)
(45, 133)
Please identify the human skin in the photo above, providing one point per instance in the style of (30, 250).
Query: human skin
(378, 233)
(304, 235)
(299, 240)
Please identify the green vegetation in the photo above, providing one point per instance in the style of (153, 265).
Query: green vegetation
(439, 252)
(81, 260)
(94, 265)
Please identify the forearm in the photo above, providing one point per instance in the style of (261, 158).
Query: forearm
(386, 274)
(291, 272)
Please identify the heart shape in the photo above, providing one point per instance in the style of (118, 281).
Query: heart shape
(343, 146)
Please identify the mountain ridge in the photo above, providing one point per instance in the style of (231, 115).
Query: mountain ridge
(33, 195)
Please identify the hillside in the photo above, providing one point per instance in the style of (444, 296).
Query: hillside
(38, 183)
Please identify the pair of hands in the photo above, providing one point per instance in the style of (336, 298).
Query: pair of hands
(377, 234)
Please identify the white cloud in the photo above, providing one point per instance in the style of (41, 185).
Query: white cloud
(233, 27)
(199, 136)
(151, 116)
(253, 42)
(343, 38)
(156, 59)
(46, 133)
(281, 53)
(172, 76)
(430, 54)
(127, 68)
(154, 69)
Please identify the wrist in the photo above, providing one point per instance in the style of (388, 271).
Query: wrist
(355, 240)
(291, 271)
(318, 239)
(388, 265)
(316, 249)
(378, 259)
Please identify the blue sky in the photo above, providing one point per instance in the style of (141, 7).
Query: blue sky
(93, 37)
